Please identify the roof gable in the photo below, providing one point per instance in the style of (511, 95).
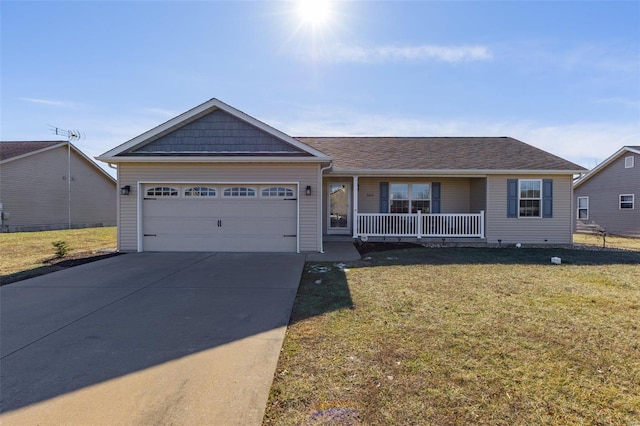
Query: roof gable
(593, 172)
(214, 130)
(437, 154)
(218, 133)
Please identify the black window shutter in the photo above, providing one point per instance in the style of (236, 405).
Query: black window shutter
(512, 197)
(547, 197)
(435, 197)
(384, 197)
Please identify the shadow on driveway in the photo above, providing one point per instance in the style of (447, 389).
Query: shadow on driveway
(101, 321)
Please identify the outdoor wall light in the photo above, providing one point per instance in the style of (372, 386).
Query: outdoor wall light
(308, 190)
(125, 190)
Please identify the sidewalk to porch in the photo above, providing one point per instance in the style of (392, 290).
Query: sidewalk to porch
(336, 251)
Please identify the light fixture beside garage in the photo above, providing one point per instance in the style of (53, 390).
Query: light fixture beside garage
(125, 190)
(308, 190)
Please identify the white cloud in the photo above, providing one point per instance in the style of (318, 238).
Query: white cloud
(49, 102)
(381, 54)
(161, 112)
(626, 102)
(586, 144)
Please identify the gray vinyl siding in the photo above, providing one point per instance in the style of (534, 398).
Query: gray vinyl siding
(34, 190)
(478, 194)
(456, 193)
(604, 189)
(555, 230)
(305, 174)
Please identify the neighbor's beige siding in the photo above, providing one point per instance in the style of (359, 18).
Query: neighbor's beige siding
(555, 230)
(305, 174)
(35, 191)
(604, 190)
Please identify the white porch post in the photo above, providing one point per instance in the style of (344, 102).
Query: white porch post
(481, 223)
(419, 228)
(354, 220)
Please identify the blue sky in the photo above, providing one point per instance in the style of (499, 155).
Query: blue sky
(562, 76)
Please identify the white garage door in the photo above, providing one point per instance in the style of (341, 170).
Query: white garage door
(207, 217)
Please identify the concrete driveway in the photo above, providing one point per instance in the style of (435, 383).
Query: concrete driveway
(146, 339)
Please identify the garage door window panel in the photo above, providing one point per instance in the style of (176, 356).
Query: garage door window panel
(162, 191)
(276, 192)
(201, 191)
(239, 192)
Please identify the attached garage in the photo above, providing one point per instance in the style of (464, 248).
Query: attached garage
(235, 217)
(216, 179)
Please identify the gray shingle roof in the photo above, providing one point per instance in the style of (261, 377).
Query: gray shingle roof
(436, 153)
(15, 149)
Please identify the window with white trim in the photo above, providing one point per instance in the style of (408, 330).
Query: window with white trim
(530, 198)
(628, 162)
(200, 191)
(409, 197)
(583, 207)
(239, 191)
(162, 191)
(276, 192)
(626, 201)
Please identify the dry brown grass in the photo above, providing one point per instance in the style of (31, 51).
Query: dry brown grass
(611, 241)
(464, 336)
(23, 251)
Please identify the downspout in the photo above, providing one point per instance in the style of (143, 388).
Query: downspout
(320, 215)
(69, 181)
(114, 166)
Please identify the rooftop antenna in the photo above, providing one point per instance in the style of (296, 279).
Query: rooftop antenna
(71, 135)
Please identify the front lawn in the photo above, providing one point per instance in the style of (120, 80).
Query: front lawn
(26, 254)
(464, 336)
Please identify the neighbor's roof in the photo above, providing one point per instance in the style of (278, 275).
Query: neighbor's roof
(16, 149)
(437, 154)
(593, 172)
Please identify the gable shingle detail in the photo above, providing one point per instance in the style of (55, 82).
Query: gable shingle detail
(217, 133)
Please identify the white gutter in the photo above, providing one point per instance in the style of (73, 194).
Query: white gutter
(452, 172)
(212, 159)
(320, 215)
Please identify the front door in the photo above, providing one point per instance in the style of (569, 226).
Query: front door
(339, 208)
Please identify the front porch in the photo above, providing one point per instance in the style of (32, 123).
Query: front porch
(417, 209)
(419, 225)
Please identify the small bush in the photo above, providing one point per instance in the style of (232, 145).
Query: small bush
(61, 248)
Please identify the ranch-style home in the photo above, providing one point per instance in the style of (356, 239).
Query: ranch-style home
(217, 179)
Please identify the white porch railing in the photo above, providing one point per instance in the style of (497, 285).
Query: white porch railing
(420, 225)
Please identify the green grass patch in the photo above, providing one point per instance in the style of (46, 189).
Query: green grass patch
(24, 251)
(464, 336)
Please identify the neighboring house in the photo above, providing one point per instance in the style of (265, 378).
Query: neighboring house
(36, 192)
(216, 179)
(607, 196)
